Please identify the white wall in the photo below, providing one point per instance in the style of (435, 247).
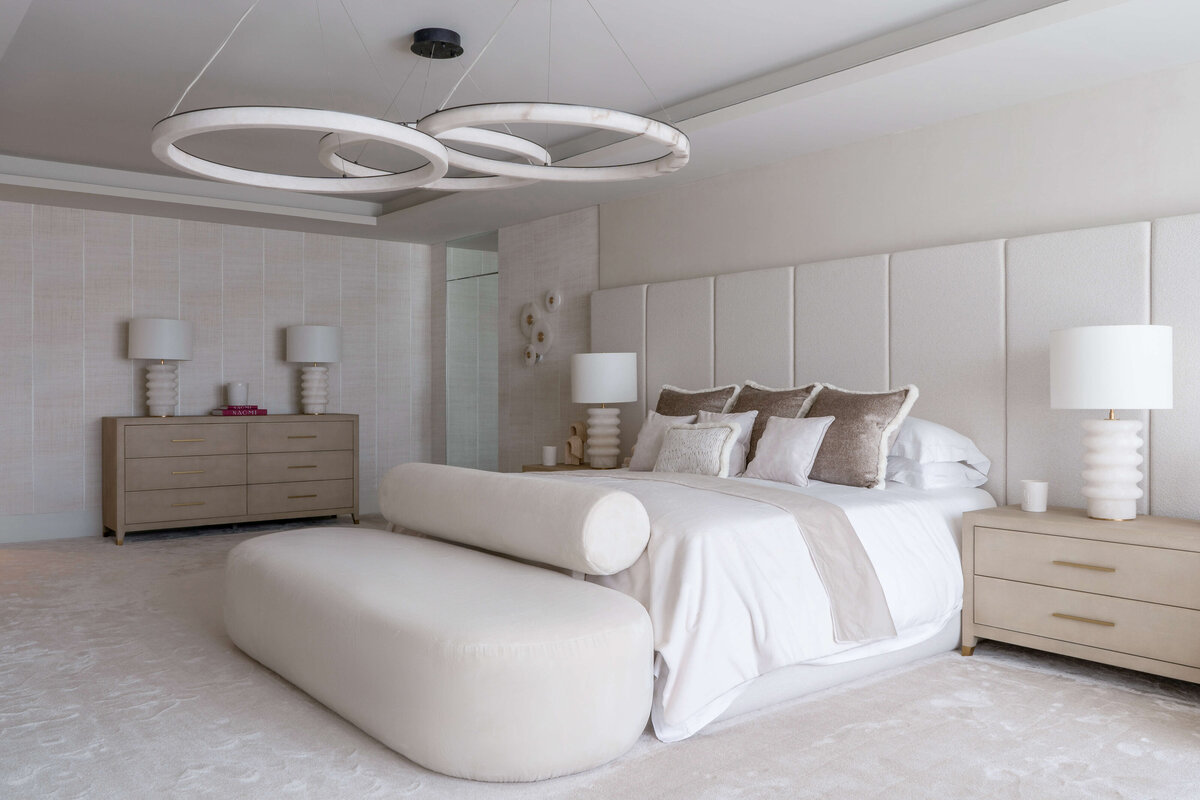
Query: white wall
(535, 402)
(70, 280)
(1116, 153)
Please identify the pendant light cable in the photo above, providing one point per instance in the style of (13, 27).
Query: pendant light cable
(607, 30)
(212, 58)
(481, 52)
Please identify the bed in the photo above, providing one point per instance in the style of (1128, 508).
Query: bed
(740, 616)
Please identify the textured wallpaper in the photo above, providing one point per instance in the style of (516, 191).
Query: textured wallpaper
(70, 280)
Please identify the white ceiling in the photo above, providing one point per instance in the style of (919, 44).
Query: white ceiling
(82, 83)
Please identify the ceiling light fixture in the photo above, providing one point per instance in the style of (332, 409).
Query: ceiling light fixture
(427, 138)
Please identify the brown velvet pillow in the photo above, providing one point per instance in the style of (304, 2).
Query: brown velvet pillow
(769, 403)
(855, 449)
(676, 402)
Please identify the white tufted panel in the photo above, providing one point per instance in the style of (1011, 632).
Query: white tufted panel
(1099, 276)
(842, 323)
(754, 327)
(679, 336)
(1175, 434)
(619, 326)
(947, 337)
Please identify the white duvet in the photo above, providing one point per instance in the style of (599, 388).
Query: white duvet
(733, 593)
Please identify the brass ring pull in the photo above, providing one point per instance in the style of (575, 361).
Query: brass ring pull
(299, 496)
(1077, 565)
(1088, 620)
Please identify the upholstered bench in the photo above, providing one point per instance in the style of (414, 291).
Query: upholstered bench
(468, 663)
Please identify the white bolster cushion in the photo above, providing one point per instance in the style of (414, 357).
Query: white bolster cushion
(561, 522)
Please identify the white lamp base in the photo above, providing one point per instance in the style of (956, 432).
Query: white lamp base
(1110, 467)
(162, 389)
(314, 389)
(604, 437)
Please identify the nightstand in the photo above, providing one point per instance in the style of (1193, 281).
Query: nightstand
(555, 468)
(1121, 593)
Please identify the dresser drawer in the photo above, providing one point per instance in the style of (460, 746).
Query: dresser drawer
(275, 498)
(1165, 633)
(169, 505)
(184, 472)
(322, 465)
(149, 441)
(1152, 574)
(290, 437)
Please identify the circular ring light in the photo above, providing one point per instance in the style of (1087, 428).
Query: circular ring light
(191, 123)
(441, 122)
(482, 137)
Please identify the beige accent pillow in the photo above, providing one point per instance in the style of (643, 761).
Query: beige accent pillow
(769, 403)
(700, 449)
(676, 402)
(650, 439)
(788, 448)
(744, 423)
(856, 446)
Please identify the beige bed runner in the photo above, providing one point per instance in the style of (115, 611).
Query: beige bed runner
(860, 611)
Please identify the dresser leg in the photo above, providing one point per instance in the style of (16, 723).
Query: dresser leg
(355, 518)
(967, 651)
(120, 537)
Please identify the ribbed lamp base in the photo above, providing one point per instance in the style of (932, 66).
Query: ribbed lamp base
(1110, 467)
(604, 437)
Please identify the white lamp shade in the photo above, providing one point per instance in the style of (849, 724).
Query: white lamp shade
(604, 377)
(314, 344)
(160, 339)
(1111, 366)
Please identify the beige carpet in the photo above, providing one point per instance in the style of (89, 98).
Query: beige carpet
(117, 680)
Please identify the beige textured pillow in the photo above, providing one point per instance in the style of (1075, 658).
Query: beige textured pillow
(769, 403)
(855, 449)
(676, 402)
(701, 449)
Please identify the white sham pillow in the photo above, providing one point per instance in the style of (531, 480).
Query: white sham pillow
(744, 422)
(935, 474)
(701, 449)
(650, 439)
(788, 448)
(925, 442)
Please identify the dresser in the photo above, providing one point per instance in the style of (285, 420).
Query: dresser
(1121, 593)
(173, 472)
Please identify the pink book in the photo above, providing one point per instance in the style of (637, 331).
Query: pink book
(239, 412)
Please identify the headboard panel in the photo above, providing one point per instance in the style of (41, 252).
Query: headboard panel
(753, 307)
(969, 324)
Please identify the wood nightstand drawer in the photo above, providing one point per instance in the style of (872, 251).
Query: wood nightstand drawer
(275, 498)
(314, 466)
(184, 472)
(1165, 633)
(148, 441)
(291, 437)
(1152, 574)
(170, 505)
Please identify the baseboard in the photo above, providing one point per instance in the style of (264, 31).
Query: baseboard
(59, 525)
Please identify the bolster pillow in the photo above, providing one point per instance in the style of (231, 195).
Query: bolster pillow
(565, 523)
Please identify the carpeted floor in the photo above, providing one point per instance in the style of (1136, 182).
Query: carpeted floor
(117, 680)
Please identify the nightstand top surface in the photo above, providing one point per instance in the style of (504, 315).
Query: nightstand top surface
(1151, 531)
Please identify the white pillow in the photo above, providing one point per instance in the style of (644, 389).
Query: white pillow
(788, 448)
(701, 449)
(934, 475)
(744, 422)
(925, 442)
(650, 439)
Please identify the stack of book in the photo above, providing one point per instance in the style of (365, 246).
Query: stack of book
(239, 411)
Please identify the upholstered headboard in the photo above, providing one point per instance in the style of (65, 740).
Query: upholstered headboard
(968, 324)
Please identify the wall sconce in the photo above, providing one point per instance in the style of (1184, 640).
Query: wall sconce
(537, 328)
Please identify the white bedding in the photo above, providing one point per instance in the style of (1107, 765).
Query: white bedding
(733, 593)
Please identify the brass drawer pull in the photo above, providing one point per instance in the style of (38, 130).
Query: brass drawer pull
(1092, 567)
(305, 436)
(187, 440)
(187, 472)
(194, 503)
(302, 466)
(299, 496)
(1085, 619)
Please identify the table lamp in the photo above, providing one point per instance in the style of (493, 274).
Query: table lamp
(161, 340)
(1111, 367)
(604, 378)
(314, 345)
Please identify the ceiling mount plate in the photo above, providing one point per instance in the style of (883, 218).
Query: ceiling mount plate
(437, 43)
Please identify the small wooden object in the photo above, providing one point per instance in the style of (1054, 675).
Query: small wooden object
(575, 444)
